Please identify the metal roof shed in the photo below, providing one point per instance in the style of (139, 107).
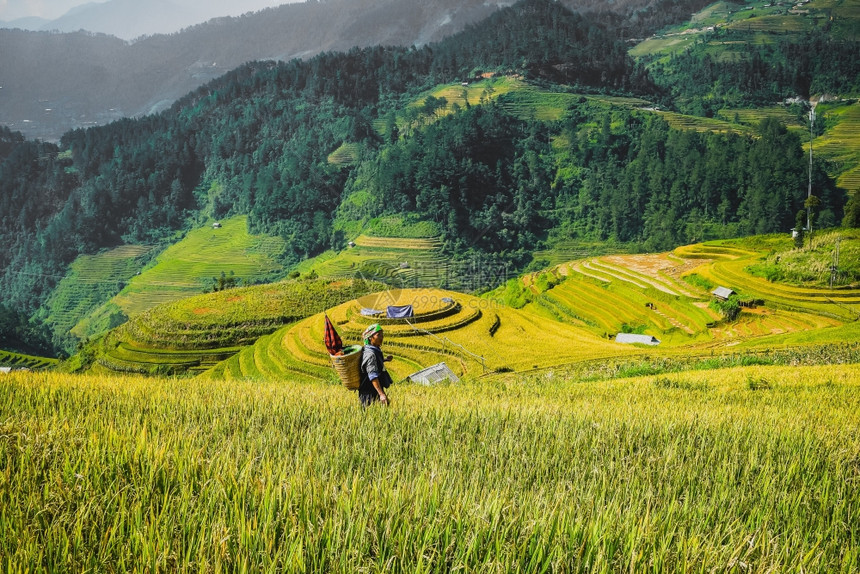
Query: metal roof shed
(633, 338)
(722, 293)
(435, 374)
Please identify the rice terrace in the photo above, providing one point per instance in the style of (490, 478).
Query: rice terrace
(611, 261)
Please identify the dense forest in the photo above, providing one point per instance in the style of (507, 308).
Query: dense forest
(699, 82)
(256, 141)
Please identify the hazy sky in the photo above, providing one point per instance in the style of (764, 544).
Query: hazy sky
(51, 9)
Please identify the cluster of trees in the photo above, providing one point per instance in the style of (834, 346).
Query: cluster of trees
(701, 82)
(19, 334)
(643, 182)
(495, 184)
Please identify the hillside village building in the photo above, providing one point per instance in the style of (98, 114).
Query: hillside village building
(722, 293)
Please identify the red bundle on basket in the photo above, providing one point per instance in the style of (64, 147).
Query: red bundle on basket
(332, 340)
(345, 360)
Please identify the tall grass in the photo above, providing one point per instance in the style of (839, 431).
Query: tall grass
(691, 472)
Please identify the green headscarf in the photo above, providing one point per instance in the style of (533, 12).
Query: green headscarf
(375, 328)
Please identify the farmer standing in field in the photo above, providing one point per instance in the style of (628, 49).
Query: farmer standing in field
(374, 378)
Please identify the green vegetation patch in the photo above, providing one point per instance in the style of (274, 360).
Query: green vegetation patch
(700, 124)
(840, 144)
(347, 154)
(662, 45)
(759, 22)
(753, 116)
(813, 266)
(778, 23)
(400, 252)
(403, 226)
(535, 104)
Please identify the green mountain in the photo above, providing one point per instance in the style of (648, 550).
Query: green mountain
(536, 128)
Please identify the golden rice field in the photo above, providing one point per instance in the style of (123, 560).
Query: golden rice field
(195, 333)
(572, 314)
(472, 336)
(753, 469)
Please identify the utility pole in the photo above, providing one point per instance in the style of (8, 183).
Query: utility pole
(809, 193)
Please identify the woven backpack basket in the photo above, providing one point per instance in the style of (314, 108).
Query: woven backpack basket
(348, 366)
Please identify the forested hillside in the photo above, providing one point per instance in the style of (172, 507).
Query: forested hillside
(499, 185)
(87, 79)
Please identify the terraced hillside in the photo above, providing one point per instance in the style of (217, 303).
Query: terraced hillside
(17, 361)
(472, 336)
(727, 266)
(571, 315)
(753, 116)
(623, 293)
(188, 267)
(667, 296)
(762, 20)
(840, 144)
(90, 282)
(397, 261)
(197, 332)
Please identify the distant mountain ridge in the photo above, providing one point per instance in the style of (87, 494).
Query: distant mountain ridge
(89, 79)
(129, 19)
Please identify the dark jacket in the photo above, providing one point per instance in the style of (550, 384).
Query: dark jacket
(372, 363)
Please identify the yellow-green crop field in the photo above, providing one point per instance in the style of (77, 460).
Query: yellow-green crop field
(394, 260)
(188, 267)
(570, 315)
(195, 333)
(346, 154)
(695, 123)
(753, 469)
(472, 336)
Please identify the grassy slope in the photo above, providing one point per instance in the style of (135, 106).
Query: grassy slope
(187, 268)
(90, 282)
(751, 470)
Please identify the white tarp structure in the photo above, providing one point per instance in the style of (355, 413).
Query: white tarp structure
(432, 375)
(633, 338)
